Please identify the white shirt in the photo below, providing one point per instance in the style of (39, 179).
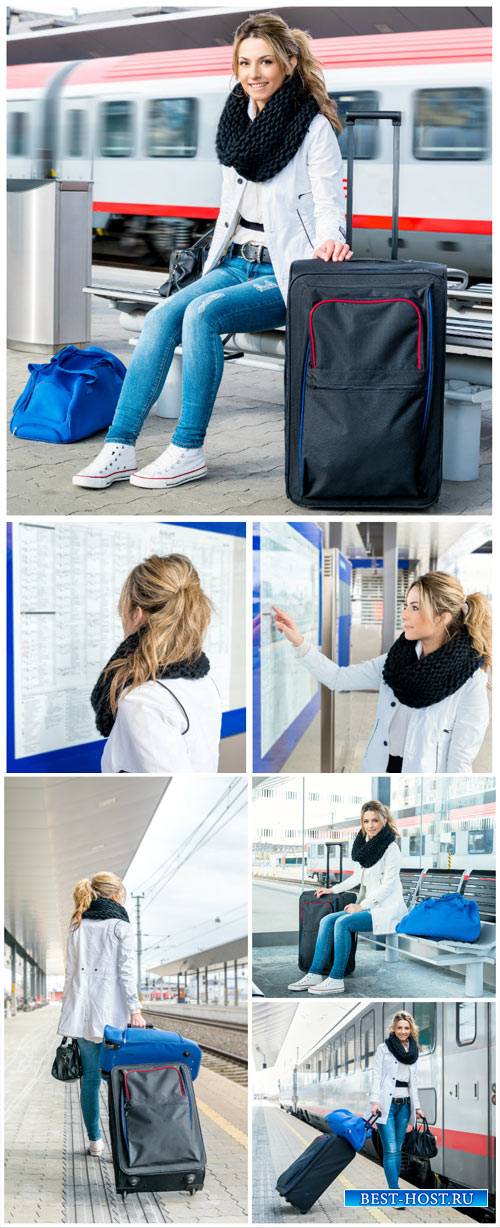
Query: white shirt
(402, 1076)
(251, 210)
(169, 725)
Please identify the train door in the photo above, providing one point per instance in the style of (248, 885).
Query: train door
(21, 138)
(466, 1095)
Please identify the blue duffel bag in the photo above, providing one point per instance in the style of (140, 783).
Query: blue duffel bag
(72, 396)
(147, 1047)
(448, 916)
(356, 1130)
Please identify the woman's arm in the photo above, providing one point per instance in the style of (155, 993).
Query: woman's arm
(353, 881)
(70, 961)
(366, 676)
(324, 164)
(468, 731)
(126, 965)
(376, 1077)
(390, 878)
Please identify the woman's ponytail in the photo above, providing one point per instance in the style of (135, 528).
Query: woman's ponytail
(311, 72)
(83, 894)
(105, 883)
(477, 620)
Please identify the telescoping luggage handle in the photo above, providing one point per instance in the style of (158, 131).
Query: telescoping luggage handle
(333, 844)
(351, 119)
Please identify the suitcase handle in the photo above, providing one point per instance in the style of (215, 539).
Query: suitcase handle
(395, 118)
(373, 1117)
(333, 844)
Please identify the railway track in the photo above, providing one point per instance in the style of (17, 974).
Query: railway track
(224, 1042)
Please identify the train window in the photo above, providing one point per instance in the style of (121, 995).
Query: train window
(448, 842)
(367, 1039)
(466, 1016)
(450, 124)
(480, 840)
(75, 133)
(350, 1050)
(117, 120)
(366, 133)
(338, 1060)
(171, 128)
(416, 843)
(424, 1014)
(18, 134)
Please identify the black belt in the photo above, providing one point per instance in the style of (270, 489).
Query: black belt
(398, 1084)
(256, 253)
(250, 225)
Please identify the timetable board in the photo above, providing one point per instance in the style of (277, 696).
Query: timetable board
(287, 573)
(64, 583)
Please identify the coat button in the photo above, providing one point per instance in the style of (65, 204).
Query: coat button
(239, 181)
(393, 703)
(226, 224)
(386, 743)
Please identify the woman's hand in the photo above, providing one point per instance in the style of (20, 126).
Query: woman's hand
(330, 250)
(286, 625)
(323, 891)
(375, 1109)
(409, 1128)
(420, 1114)
(353, 908)
(137, 1020)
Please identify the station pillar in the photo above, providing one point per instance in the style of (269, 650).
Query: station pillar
(236, 994)
(390, 574)
(225, 982)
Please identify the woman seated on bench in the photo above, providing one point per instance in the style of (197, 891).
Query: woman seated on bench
(379, 906)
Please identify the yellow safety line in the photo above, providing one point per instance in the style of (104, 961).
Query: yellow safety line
(240, 1137)
(378, 1215)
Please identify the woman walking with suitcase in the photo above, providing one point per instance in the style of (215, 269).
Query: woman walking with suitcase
(394, 1091)
(282, 200)
(432, 711)
(378, 908)
(100, 985)
(155, 701)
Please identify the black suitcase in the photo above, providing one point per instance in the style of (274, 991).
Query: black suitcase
(312, 911)
(156, 1138)
(310, 1175)
(364, 374)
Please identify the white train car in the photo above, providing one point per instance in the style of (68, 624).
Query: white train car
(456, 1082)
(142, 127)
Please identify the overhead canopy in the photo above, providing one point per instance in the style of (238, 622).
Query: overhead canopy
(57, 830)
(213, 957)
(271, 1022)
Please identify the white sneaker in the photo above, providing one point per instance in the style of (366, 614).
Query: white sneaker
(96, 1147)
(172, 468)
(311, 978)
(328, 986)
(115, 463)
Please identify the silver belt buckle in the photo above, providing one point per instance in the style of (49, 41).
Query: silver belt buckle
(255, 247)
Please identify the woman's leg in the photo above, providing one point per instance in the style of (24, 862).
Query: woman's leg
(402, 1112)
(387, 1134)
(324, 943)
(349, 923)
(90, 1085)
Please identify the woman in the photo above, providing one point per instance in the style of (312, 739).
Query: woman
(378, 908)
(282, 200)
(432, 711)
(100, 985)
(394, 1091)
(155, 700)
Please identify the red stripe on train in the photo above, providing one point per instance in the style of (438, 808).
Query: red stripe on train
(460, 1140)
(362, 221)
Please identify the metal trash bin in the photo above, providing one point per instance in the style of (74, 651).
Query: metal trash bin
(49, 261)
(462, 429)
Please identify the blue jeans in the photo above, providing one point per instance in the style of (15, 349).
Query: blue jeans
(237, 296)
(392, 1136)
(90, 1084)
(335, 932)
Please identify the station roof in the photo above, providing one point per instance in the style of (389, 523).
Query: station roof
(213, 957)
(184, 29)
(58, 830)
(271, 1023)
(437, 539)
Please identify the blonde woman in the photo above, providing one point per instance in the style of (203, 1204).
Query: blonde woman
(155, 700)
(394, 1091)
(378, 908)
(432, 712)
(100, 986)
(282, 200)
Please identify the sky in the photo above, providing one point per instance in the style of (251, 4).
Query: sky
(179, 916)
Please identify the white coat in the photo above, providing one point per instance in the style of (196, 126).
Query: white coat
(383, 1083)
(167, 725)
(302, 206)
(100, 985)
(445, 737)
(381, 891)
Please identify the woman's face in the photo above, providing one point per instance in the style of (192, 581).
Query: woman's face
(372, 824)
(402, 1030)
(418, 625)
(258, 70)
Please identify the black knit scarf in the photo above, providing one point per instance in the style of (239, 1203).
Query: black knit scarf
(408, 1058)
(103, 909)
(368, 852)
(260, 148)
(419, 682)
(197, 667)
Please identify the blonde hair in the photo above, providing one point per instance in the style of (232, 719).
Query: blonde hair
(414, 1030)
(383, 813)
(440, 593)
(103, 884)
(285, 43)
(176, 611)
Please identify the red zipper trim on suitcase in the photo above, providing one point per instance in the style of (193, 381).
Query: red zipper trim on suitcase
(366, 302)
(147, 1070)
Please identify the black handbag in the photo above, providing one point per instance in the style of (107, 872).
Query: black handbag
(186, 266)
(420, 1143)
(67, 1064)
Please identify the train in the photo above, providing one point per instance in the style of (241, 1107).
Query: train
(456, 1084)
(142, 128)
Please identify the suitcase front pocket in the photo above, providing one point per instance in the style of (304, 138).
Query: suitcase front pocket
(368, 334)
(157, 1117)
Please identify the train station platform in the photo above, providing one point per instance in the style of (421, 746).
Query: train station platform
(279, 1138)
(245, 445)
(50, 1179)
